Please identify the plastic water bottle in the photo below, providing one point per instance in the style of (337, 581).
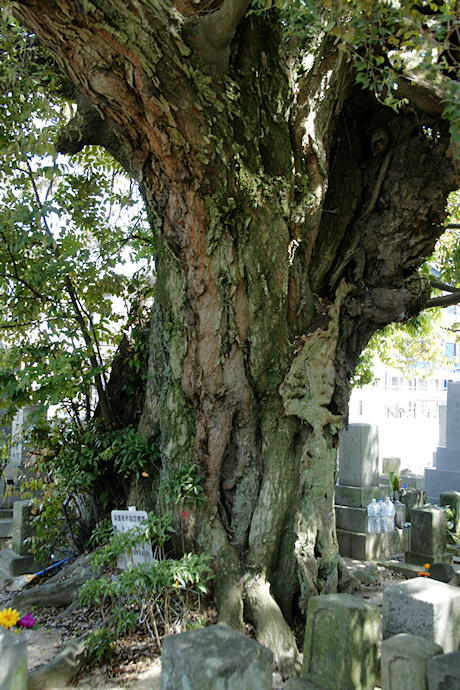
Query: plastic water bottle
(390, 518)
(400, 514)
(382, 516)
(372, 517)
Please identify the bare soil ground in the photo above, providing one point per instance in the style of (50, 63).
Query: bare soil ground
(136, 659)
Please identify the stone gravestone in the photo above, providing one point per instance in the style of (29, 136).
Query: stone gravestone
(391, 465)
(423, 607)
(428, 536)
(20, 424)
(404, 661)
(444, 672)
(22, 527)
(358, 485)
(452, 499)
(18, 560)
(215, 658)
(13, 665)
(446, 475)
(341, 643)
(412, 499)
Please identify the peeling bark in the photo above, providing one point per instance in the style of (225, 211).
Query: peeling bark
(290, 212)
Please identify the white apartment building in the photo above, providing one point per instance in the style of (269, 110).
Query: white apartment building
(407, 410)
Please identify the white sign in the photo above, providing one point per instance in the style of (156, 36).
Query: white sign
(123, 521)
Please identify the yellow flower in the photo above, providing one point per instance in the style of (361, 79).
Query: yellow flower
(9, 617)
(426, 565)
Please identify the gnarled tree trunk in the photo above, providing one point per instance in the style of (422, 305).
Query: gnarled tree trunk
(290, 211)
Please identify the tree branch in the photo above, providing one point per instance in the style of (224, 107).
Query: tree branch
(444, 301)
(78, 310)
(422, 94)
(87, 127)
(210, 37)
(437, 285)
(220, 26)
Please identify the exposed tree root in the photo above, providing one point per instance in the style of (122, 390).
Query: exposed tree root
(272, 629)
(227, 580)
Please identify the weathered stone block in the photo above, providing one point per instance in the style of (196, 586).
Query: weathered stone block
(6, 527)
(16, 565)
(415, 482)
(404, 662)
(368, 547)
(359, 455)
(22, 527)
(356, 496)
(215, 658)
(341, 640)
(443, 572)
(353, 519)
(442, 411)
(428, 530)
(448, 459)
(438, 481)
(13, 666)
(453, 415)
(452, 499)
(391, 465)
(444, 672)
(298, 684)
(425, 608)
(420, 558)
(412, 499)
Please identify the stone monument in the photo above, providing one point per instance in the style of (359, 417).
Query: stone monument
(358, 485)
(445, 476)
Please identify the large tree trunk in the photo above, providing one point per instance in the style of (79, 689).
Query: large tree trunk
(289, 210)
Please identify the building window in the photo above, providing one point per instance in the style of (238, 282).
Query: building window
(396, 383)
(393, 411)
(422, 409)
(451, 350)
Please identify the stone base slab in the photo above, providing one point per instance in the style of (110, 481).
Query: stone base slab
(448, 459)
(368, 547)
(352, 519)
(215, 657)
(357, 496)
(413, 481)
(421, 558)
(6, 527)
(423, 607)
(16, 565)
(444, 671)
(438, 481)
(5, 579)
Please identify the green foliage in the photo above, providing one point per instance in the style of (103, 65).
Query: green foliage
(156, 595)
(412, 347)
(183, 486)
(130, 452)
(80, 471)
(66, 229)
(385, 39)
(446, 257)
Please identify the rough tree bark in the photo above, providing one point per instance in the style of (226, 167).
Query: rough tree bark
(290, 212)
